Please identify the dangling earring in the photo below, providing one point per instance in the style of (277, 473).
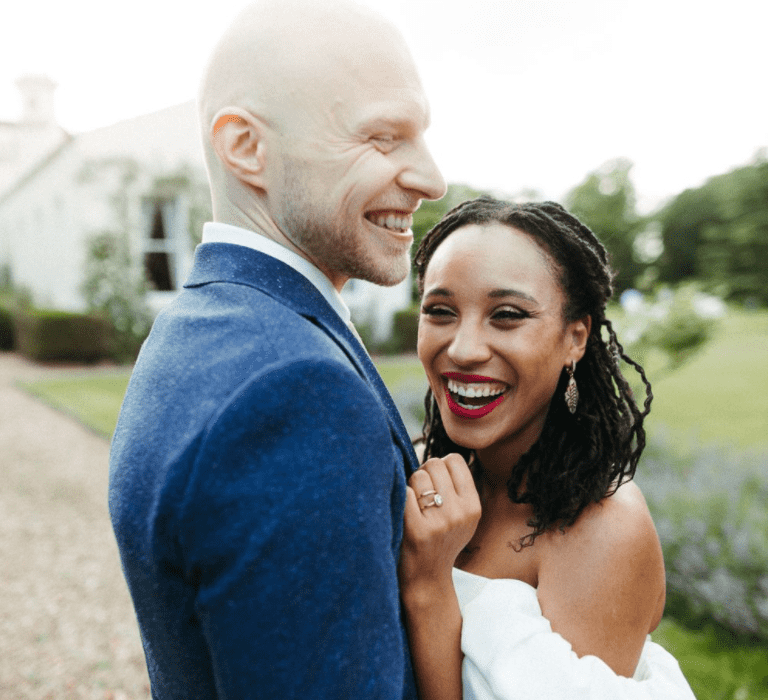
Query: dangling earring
(571, 391)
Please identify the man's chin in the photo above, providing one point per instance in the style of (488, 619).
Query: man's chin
(391, 274)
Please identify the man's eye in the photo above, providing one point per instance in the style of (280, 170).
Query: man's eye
(384, 142)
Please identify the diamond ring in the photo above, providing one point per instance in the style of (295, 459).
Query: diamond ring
(436, 501)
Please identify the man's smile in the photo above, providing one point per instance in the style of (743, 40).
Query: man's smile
(393, 221)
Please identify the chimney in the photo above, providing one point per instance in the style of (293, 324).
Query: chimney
(37, 99)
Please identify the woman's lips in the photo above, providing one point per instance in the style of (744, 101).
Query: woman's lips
(469, 385)
(478, 412)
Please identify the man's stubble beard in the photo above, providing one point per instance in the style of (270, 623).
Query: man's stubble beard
(341, 251)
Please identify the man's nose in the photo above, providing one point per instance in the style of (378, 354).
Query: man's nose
(421, 173)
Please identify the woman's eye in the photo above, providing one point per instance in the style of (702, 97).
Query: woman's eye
(509, 315)
(436, 311)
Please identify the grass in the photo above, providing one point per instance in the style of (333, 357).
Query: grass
(93, 399)
(720, 395)
(717, 666)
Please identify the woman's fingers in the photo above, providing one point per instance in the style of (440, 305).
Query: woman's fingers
(461, 476)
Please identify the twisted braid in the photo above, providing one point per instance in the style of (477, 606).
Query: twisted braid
(580, 458)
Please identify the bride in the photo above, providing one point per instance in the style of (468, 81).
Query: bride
(536, 572)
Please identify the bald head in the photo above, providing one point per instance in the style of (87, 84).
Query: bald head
(279, 51)
(313, 118)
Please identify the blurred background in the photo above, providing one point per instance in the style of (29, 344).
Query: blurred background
(648, 119)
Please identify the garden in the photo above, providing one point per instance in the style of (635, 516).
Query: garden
(703, 474)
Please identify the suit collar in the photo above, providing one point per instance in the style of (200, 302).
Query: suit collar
(217, 232)
(222, 262)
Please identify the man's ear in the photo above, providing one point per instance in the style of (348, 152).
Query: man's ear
(238, 138)
(578, 332)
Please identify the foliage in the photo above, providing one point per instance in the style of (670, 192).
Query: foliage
(113, 288)
(709, 509)
(717, 665)
(6, 279)
(47, 334)
(405, 328)
(676, 322)
(7, 341)
(605, 202)
(718, 233)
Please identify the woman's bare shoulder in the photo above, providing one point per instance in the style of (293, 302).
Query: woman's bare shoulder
(613, 550)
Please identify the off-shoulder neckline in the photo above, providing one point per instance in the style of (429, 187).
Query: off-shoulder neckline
(485, 578)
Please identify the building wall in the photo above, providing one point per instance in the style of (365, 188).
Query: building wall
(47, 218)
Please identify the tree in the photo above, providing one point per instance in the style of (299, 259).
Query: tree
(605, 202)
(718, 233)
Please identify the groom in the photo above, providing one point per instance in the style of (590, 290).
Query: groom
(257, 476)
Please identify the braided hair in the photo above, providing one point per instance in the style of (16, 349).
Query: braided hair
(579, 458)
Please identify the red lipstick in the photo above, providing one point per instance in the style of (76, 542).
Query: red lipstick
(478, 412)
(468, 378)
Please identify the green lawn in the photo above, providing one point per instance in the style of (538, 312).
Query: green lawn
(721, 394)
(717, 666)
(92, 399)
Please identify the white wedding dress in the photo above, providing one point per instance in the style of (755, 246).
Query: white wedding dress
(511, 653)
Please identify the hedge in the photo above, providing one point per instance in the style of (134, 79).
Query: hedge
(46, 334)
(6, 327)
(405, 331)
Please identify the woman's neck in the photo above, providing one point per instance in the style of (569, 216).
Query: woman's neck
(495, 467)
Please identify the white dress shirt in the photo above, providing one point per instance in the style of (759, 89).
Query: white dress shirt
(217, 232)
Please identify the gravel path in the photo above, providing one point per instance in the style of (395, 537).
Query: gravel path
(67, 629)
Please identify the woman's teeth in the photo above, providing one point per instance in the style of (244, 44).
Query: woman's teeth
(475, 391)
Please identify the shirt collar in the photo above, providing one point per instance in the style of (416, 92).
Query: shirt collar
(217, 232)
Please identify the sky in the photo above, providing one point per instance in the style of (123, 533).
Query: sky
(526, 95)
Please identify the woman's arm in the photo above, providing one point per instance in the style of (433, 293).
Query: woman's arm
(434, 535)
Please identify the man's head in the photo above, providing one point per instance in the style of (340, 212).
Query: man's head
(319, 118)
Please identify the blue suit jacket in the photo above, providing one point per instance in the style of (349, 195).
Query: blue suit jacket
(257, 487)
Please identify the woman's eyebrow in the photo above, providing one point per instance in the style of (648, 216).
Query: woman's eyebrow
(438, 292)
(497, 293)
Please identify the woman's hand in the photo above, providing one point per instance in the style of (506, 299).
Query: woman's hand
(442, 510)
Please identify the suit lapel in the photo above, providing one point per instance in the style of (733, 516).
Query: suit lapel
(222, 262)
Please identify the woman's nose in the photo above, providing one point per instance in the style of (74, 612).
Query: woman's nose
(469, 347)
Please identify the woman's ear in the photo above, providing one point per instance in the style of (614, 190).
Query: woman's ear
(238, 137)
(578, 332)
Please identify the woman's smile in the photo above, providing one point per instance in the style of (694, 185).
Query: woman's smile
(472, 396)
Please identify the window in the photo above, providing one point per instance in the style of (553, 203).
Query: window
(160, 244)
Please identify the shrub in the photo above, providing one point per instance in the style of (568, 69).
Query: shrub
(116, 291)
(405, 331)
(6, 326)
(45, 334)
(710, 512)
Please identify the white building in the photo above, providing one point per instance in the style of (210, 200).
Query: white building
(142, 179)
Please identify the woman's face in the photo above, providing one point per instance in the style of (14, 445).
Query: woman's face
(492, 337)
